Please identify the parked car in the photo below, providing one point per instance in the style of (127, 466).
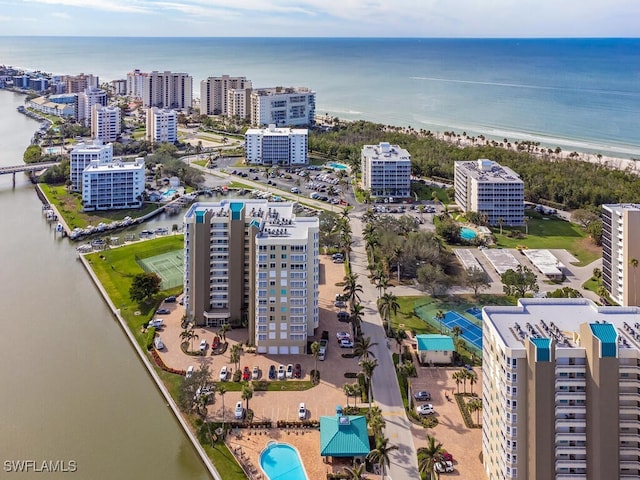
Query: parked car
(203, 345)
(425, 409)
(297, 371)
(302, 411)
(340, 304)
(281, 372)
(246, 373)
(343, 316)
(443, 466)
(336, 255)
(255, 373)
(422, 396)
(239, 411)
(224, 373)
(171, 299)
(158, 343)
(295, 190)
(272, 372)
(343, 336)
(346, 343)
(189, 371)
(290, 370)
(156, 322)
(163, 311)
(338, 260)
(447, 457)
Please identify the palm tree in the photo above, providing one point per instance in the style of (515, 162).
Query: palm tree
(315, 351)
(356, 391)
(368, 365)
(440, 316)
(428, 456)
(357, 312)
(362, 348)
(400, 336)
(187, 335)
(526, 225)
(456, 331)
(247, 393)
(475, 405)
(634, 263)
(347, 388)
(383, 284)
(224, 328)
(464, 375)
(388, 304)
(397, 255)
(380, 454)
(457, 377)
(222, 389)
(352, 288)
(376, 421)
(234, 356)
(473, 378)
(501, 222)
(356, 472)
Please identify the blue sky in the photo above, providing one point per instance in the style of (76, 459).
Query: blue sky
(332, 18)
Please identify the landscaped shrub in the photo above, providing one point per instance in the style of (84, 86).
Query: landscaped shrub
(149, 336)
(237, 375)
(429, 422)
(315, 376)
(260, 385)
(158, 359)
(462, 405)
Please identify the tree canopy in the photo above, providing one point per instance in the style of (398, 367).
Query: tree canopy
(144, 286)
(519, 282)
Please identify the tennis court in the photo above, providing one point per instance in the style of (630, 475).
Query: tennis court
(471, 332)
(476, 312)
(169, 266)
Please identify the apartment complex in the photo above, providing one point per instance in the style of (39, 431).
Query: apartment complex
(86, 101)
(167, 90)
(386, 170)
(82, 155)
(162, 125)
(282, 106)
(620, 247)
(253, 263)
(79, 83)
(135, 84)
(561, 396)
(214, 93)
(239, 103)
(277, 146)
(106, 123)
(486, 187)
(113, 185)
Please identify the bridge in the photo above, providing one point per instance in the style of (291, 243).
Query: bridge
(26, 167)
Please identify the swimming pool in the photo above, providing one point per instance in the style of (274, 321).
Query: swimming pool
(468, 233)
(280, 461)
(337, 166)
(169, 193)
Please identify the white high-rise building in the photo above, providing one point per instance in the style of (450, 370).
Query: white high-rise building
(167, 90)
(105, 123)
(488, 188)
(162, 125)
(213, 93)
(83, 154)
(86, 100)
(253, 263)
(135, 83)
(283, 107)
(277, 146)
(114, 185)
(620, 247)
(386, 170)
(560, 391)
(238, 103)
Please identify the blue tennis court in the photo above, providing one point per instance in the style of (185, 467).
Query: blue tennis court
(471, 332)
(476, 312)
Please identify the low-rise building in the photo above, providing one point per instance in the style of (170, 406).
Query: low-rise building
(277, 146)
(113, 185)
(48, 107)
(434, 349)
(82, 155)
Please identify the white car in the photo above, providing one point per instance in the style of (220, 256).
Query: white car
(255, 373)
(302, 412)
(290, 370)
(443, 467)
(346, 343)
(156, 322)
(343, 336)
(426, 409)
(158, 343)
(203, 345)
(189, 371)
(224, 372)
(239, 411)
(281, 372)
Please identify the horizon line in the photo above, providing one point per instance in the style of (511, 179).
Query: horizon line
(552, 37)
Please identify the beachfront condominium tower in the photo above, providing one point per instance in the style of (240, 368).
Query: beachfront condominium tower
(167, 90)
(86, 100)
(621, 252)
(486, 187)
(239, 103)
(561, 391)
(214, 90)
(135, 83)
(113, 185)
(79, 83)
(277, 146)
(386, 170)
(82, 155)
(162, 125)
(105, 123)
(254, 264)
(283, 107)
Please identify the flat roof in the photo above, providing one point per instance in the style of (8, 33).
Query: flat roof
(560, 319)
(545, 261)
(489, 171)
(502, 260)
(434, 343)
(467, 258)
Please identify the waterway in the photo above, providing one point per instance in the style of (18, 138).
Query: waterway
(72, 388)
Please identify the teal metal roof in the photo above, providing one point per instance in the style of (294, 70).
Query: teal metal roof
(606, 333)
(200, 216)
(440, 343)
(344, 440)
(236, 208)
(543, 349)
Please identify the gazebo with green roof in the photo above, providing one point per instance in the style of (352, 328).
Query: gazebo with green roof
(344, 436)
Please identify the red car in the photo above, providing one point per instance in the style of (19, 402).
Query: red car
(246, 373)
(447, 457)
(297, 371)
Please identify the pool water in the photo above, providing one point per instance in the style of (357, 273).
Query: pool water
(338, 166)
(169, 193)
(468, 233)
(281, 461)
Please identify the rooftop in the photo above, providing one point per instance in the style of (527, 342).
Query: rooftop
(488, 171)
(385, 151)
(343, 438)
(435, 342)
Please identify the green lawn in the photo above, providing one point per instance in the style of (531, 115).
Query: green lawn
(426, 192)
(548, 233)
(224, 462)
(272, 385)
(70, 207)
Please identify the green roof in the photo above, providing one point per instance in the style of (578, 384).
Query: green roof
(339, 439)
(606, 333)
(432, 343)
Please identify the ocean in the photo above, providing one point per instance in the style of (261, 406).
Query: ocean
(579, 94)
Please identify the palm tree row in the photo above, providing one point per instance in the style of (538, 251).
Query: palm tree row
(462, 376)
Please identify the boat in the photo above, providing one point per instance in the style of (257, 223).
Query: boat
(161, 231)
(59, 227)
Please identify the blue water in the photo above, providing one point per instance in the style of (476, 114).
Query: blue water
(580, 94)
(337, 166)
(169, 193)
(467, 233)
(281, 461)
